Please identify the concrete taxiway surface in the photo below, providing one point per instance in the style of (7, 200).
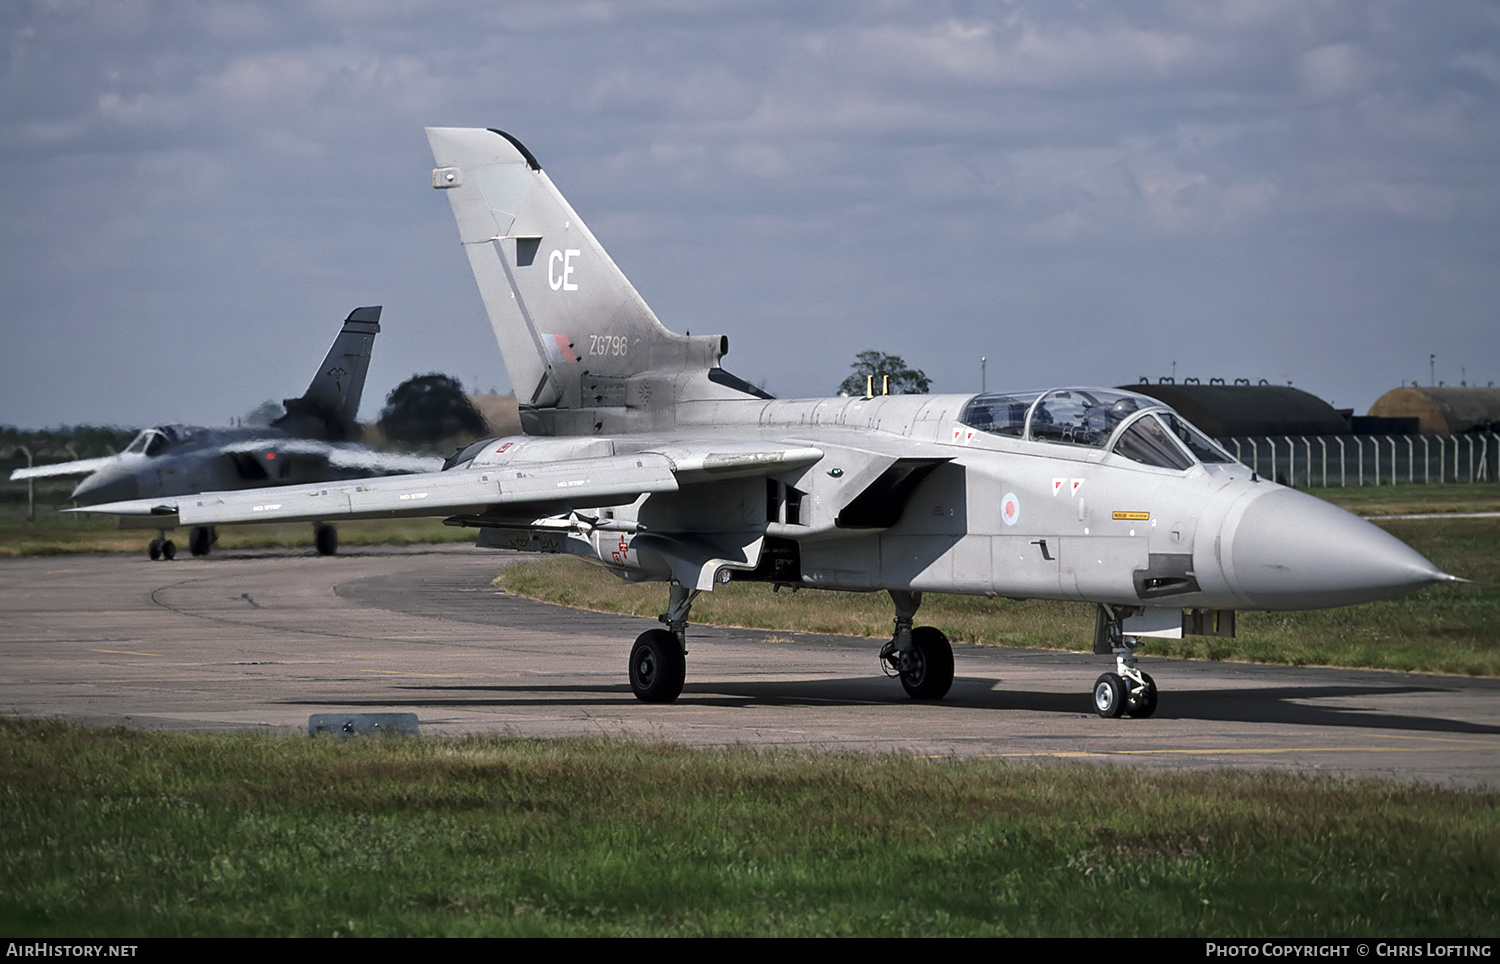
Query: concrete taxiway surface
(263, 640)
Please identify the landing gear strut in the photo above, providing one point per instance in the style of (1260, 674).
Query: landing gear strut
(1127, 690)
(658, 660)
(921, 657)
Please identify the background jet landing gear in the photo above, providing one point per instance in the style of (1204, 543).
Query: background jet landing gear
(658, 660)
(201, 539)
(922, 657)
(161, 547)
(325, 538)
(1126, 691)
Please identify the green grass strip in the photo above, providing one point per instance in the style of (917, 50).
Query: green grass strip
(116, 833)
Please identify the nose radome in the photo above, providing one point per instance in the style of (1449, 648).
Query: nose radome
(1293, 551)
(112, 483)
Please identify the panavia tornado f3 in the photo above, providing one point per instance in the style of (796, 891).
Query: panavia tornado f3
(309, 443)
(643, 455)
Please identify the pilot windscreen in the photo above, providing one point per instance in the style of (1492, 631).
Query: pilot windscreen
(1148, 442)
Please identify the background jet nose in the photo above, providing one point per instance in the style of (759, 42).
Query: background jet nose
(1294, 551)
(107, 485)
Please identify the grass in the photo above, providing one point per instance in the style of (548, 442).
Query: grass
(116, 833)
(55, 532)
(1376, 500)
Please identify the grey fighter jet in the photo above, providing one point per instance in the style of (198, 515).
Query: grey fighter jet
(306, 444)
(643, 455)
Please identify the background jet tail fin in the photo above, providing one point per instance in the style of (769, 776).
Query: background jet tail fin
(573, 331)
(327, 410)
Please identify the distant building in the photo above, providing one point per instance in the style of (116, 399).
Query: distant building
(1442, 411)
(1225, 411)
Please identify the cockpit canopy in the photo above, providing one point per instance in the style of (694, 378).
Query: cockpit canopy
(158, 439)
(1137, 427)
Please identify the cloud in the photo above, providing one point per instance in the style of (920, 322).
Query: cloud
(182, 182)
(1335, 71)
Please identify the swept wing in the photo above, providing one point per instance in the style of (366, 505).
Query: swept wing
(62, 470)
(540, 487)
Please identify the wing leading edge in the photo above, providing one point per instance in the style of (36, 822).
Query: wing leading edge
(58, 470)
(543, 487)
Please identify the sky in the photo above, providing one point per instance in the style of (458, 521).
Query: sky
(194, 194)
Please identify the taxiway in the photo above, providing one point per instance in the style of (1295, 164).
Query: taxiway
(263, 640)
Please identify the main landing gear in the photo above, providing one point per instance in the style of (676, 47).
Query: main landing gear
(201, 539)
(658, 660)
(921, 657)
(1127, 691)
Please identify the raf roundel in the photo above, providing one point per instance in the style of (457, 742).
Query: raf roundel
(1010, 508)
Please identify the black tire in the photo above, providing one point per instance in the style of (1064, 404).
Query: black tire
(153, 549)
(326, 538)
(1142, 701)
(931, 673)
(169, 550)
(200, 540)
(657, 667)
(1109, 696)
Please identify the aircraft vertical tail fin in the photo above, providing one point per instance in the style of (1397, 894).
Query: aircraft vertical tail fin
(573, 332)
(327, 410)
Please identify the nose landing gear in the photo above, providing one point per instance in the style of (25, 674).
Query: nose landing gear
(161, 548)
